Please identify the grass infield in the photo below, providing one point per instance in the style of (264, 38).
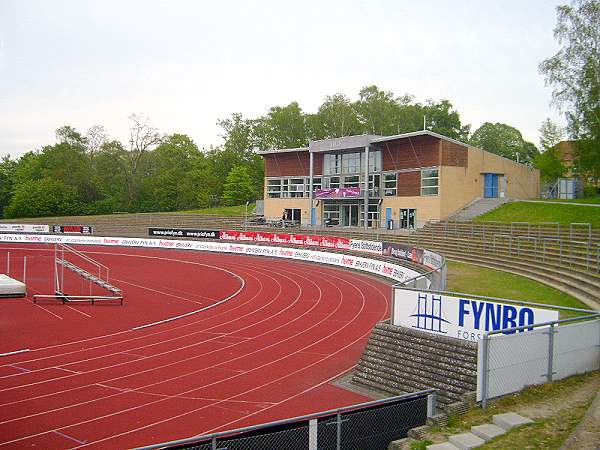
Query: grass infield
(543, 212)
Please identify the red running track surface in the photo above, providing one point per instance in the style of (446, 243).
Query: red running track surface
(92, 379)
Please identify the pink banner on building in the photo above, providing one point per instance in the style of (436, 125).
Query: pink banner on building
(350, 192)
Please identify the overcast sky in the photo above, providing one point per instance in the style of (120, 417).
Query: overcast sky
(186, 64)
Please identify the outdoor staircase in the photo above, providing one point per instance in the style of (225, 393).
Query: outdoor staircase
(397, 360)
(478, 207)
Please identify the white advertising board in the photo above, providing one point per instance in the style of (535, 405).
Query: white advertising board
(23, 228)
(461, 318)
(393, 271)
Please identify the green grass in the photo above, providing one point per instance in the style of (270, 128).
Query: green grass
(543, 212)
(592, 200)
(548, 431)
(239, 210)
(476, 280)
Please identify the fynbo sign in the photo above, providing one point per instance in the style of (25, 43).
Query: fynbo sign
(461, 318)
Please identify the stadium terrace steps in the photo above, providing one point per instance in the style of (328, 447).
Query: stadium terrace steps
(478, 207)
(399, 359)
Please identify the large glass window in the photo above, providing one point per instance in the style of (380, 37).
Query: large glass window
(332, 164)
(352, 181)
(296, 187)
(274, 188)
(351, 163)
(429, 182)
(347, 163)
(390, 183)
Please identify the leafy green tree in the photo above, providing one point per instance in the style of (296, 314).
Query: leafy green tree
(504, 140)
(237, 133)
(336, 117)
(239, 187)
(442, 118)
(574, 73)
(378, 111)
(42, 198)
(282, 127)
(550, 134)
(7, 168)
(550, 165)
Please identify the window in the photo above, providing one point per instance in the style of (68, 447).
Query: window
(352, 181)
(274, 188)
(332, 164)
(316, 185)
(332, 182)
(429, 182)
(390, 183)
(296, 187)
(351, 162)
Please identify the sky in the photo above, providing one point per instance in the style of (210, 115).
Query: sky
(187, 64)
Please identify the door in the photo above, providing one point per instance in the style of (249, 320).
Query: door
(408, 218)
(350, 215)
(388, 218)
(490, 185)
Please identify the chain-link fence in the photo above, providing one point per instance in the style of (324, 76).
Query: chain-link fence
(367, 426)
(510, 359)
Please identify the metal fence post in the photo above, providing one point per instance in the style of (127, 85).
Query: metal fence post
(339, 430)
(214, 443)
(431, 404)
(484, 370)
(550, 353)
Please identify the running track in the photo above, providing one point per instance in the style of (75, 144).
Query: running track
(268, 338)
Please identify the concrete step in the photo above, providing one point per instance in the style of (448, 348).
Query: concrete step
(510, 420)
(487, 431)
(442, 446)
(465, 441)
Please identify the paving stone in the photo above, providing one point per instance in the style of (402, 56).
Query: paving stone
(487, 431)
(466, 441)
(510, 420)
(442, 446)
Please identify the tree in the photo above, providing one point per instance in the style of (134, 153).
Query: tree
(282, 127)
(574, 73)
(142, 138)
(442, 118)
(239, 187)
(378, 111)
(238, 133)
(43, 198)
(550, 134)
(550, 165)
(504, 140)
(336, 117)
(7, 168)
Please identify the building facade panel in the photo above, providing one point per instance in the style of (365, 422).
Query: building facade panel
(409, 184)
(420, 151)
(454, 154)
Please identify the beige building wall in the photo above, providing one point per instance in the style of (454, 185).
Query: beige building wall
(274, 208)
(460, 185)
(428, 208)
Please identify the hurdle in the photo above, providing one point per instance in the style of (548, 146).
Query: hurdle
(88, 269)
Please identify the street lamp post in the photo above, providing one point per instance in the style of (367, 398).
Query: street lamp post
(246, 219)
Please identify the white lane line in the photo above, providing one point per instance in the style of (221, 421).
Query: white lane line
(80, 312)
(170, 319)
(16, 352)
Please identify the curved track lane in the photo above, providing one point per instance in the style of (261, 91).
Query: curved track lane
(266, 353)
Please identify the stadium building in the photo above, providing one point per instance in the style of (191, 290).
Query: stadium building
(412, 178)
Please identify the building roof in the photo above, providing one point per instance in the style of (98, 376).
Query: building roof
(357, 141)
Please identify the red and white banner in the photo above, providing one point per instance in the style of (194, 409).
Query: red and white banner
(393, 271)
(291, 239)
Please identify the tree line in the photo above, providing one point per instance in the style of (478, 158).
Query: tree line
(89, 173)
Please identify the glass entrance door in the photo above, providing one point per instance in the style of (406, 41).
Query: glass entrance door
(350, 215)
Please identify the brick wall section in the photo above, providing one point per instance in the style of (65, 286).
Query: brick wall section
(454, 154)
(287, 164)
(408, 153)
(401, 360)
(409, 184)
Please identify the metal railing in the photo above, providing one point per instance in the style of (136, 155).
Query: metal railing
(370, 425)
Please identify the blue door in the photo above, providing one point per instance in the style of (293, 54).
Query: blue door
(490, 188)
(313, 216)
(388, 217)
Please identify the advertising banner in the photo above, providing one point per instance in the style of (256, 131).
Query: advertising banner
(23, 228)
(349, 192)
(180, 232)
(393, 271)
(284, 238)
(76, 229)
(411, 253)
(461, 318)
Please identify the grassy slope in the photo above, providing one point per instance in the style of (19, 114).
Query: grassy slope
(543, 212)
(476, 280)
(237, 211)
